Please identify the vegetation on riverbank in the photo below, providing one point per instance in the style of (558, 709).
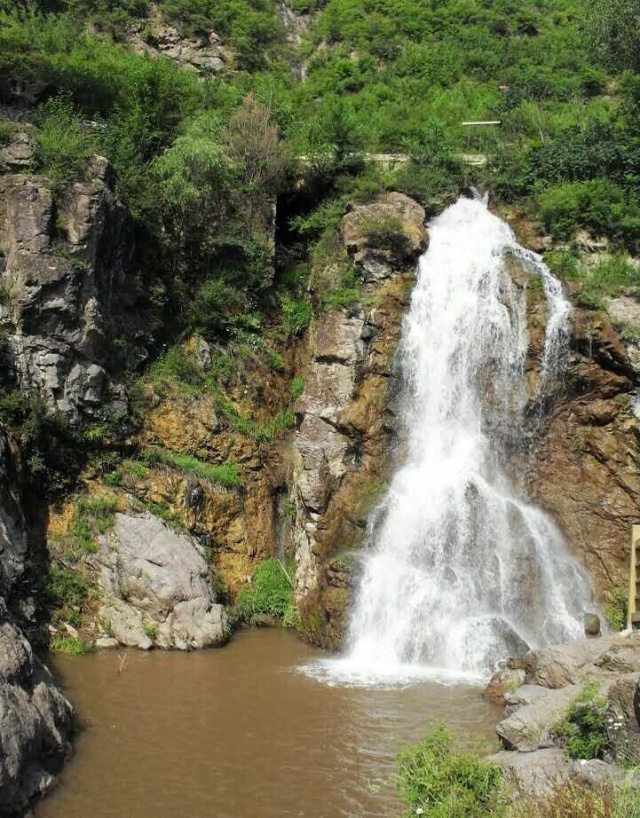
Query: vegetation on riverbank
(269, 596)
(436, 781)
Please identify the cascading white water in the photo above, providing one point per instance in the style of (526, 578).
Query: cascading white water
(460, 570)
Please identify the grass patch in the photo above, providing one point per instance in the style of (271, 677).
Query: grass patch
(584, 728)
(65, 589)
(227, 475)
(296, 388)
(168, 517)
(66, 643)
(436, 782)
(608, 279)
(574, 800)
(269, 595)
(93, 517)
(179, 368)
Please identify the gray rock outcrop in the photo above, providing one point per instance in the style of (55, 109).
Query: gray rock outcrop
(205, 55)
(534, 773)
(35, 718)
(534, 757)
(35, 722)
(530, 726)
(156, 587)
(557, 666)
(70, 310)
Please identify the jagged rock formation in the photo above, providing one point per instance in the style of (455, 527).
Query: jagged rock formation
(35, 718)
(533, 756)
(69, 306)
(344, 417)
(156, 588)
(158, 39)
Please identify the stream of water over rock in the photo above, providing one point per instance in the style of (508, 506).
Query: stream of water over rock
(460, 569)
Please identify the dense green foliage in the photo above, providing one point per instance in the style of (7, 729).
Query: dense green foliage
(227, 475)
(437, 782)
(584, 729)
(199, 161)
(617, 608)
(270, 594)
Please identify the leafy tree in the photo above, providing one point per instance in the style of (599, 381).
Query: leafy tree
(613, 27)
(260, 162)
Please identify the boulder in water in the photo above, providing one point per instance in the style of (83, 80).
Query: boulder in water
(156, 587)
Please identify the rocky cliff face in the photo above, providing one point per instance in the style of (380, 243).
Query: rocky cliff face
(345, 417)
(583, 436)
(69, 305)
(35, 718)
(586, 472)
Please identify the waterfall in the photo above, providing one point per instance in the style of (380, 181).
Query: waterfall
(459, 569)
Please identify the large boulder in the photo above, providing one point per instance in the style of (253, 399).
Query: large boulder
(535, 773)
(560, 665)
(35, 722)
(385, 235)
(156, 587)
(531, 727)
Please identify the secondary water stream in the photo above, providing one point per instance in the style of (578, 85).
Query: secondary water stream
(241, 733)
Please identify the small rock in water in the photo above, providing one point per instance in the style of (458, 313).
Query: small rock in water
(592, 625)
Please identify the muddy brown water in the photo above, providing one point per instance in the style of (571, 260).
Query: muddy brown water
(240, 733)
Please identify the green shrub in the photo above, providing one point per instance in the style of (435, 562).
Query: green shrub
(598, 205)
(436, 782)
(225, 474)
(385, 233)
(65, 588)
(93, 516)
(608, 279)
(269, 595)
(617, 608)
(563, 264)
(66, 643)
(63, 145)
(296, 315)
(275, 361)
(584, 728)
(179, 366)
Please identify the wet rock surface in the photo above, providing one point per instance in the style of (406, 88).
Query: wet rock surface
(586, 464)
(345, 414)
